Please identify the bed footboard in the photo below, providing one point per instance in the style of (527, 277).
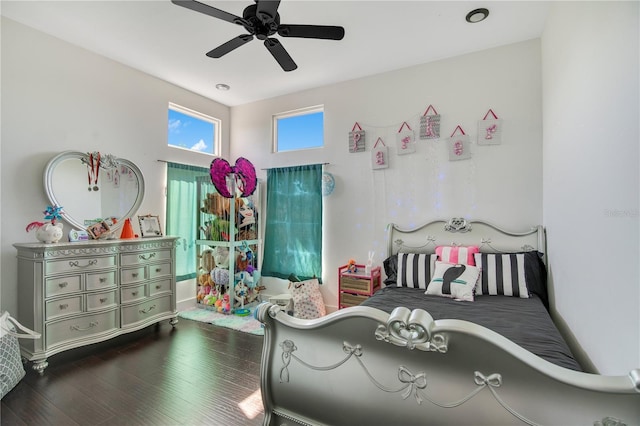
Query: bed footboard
(364, 366)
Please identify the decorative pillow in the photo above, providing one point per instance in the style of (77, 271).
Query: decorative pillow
(502, 274)
(415, 270)
(454, 280)
(457, 254)
(391, 270)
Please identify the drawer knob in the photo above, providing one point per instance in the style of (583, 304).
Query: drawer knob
(64, 306)
(76, 263)
(134, 293)
(103, 280)
(78, 328)
(143, 257)
(63, 284)
(158, 269)
(158, 286)
(135, 275)
(145, 311)
(103, 299)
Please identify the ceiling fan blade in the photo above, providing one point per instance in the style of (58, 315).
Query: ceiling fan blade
(327, 32)
(267, 10)
(227, 47)
(280, 54)
(209, 10)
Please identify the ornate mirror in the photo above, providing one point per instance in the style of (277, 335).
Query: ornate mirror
(90, 186)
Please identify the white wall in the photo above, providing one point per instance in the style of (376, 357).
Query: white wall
(58, 97)
(591, 211)
(500, 183)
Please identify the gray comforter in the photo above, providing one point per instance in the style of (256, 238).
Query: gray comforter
(523, 321)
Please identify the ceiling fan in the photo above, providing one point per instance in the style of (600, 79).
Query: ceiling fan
(262, 20)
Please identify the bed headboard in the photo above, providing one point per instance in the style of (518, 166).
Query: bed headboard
(459, 231)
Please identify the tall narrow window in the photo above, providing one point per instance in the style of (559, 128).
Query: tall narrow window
(293, 237)
(182, 211)
(299, 129)
(193, 131)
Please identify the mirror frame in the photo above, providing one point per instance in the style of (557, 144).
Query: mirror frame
(69, 155)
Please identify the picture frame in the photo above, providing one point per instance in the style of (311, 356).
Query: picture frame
(98, 229)
(149, 226)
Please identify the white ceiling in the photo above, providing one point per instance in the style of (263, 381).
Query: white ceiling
(170, 42)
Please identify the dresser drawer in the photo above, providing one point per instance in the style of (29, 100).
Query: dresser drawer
(100, 280)
(81, 264)
(80, 327)
(159, 270)
(132, 314)
(132, 275)
(162, 286)
(61, 307)
(62, 285)
(132, 293)
(102, 300)
(145, 257)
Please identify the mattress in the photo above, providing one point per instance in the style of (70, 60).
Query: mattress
(526, 322)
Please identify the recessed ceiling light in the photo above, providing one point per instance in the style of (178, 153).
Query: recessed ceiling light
(477, 15)
(221, 86)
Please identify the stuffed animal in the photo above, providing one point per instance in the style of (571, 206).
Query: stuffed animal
(221, 257)
(207, 261)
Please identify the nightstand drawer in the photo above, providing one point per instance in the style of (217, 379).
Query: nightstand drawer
(348, 299)
(356, 284)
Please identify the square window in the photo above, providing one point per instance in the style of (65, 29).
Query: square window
(299, 129)
(193, 131)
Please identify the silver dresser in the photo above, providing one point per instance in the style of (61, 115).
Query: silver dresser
(76, 294)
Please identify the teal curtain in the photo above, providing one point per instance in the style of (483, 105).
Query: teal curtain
(182, 211)
(293, 231)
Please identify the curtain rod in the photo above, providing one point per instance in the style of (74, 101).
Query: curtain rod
(297, 165)
(182, 164)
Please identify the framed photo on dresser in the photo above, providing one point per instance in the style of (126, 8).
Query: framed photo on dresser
(149, 226)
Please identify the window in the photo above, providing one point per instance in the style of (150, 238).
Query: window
(193, 131)
(182, 214)
(299, 129)
(293, 232)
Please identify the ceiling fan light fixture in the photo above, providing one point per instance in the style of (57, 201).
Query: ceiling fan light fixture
(477, 15)
(223, 87)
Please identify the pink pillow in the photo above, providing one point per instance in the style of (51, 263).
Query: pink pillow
(462, 255)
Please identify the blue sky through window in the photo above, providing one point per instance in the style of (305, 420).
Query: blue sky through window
(300, 131)
(192, 133)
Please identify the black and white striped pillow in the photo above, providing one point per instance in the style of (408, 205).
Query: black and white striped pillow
(415, 270)
(502, 274)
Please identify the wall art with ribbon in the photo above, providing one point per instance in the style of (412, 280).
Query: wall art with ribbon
(405, 140)
(490, 130)
(379, 155)
(356, 139)
(226, 178)
(459, 145)
(430, 124)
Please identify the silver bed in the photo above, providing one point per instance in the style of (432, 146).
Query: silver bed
(365, 366)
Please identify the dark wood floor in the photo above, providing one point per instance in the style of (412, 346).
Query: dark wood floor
(197, 374)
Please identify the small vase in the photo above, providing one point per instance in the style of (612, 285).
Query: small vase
(49, 233)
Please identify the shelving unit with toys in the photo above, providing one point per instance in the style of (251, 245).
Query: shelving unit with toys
(229, 249)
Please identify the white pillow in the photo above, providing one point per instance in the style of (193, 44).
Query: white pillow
(454, 281)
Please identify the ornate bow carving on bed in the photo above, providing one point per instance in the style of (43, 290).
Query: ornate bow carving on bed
(243, 172)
